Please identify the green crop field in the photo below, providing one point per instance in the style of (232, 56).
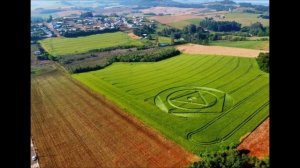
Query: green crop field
(246, 19)
(259, 45)
(182, 24)
(198, 101)
(67, 46)
(163, 39)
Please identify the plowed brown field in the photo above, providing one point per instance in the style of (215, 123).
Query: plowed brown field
(218, 50)
(73, 127)
(258, 141)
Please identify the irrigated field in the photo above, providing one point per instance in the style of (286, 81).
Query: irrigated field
(199, 101)
(65, 46)
(73, 127)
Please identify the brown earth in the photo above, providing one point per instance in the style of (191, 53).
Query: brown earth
(172, 19)
(258, 141)
(218, 50)
(133, 36)
(74, 127)
(184, 16)
(69, 12)
(171, 10)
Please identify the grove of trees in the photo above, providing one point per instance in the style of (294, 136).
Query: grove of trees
(263, 62)
(145, 29)
(220, 26)
(191, 33)
(230, 157)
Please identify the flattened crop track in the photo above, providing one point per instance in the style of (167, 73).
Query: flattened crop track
(199, 101)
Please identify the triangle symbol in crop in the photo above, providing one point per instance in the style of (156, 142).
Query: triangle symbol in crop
(194, 97)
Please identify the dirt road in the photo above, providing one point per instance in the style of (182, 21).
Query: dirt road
(73, 127)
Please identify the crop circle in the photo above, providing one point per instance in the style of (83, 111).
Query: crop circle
(193, 101)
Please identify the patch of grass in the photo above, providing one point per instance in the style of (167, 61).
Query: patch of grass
(135, 87)
(163, 39)
(67, 46)
(246, 19)
(182, 24)
(259, 45)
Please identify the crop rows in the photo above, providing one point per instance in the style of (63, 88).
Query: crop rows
(134, 86)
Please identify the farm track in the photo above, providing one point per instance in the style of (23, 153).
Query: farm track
(176, 80)
(73, 127)
(189, 135)
(163, 73)
(241, 102)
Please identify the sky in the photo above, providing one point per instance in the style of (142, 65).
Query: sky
(257, 2)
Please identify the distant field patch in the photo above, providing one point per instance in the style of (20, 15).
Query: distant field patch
(172, 19)
(67, 46)
(218, 50)
(258, 45)
(246, 19)
(182, 24)
(163, 39)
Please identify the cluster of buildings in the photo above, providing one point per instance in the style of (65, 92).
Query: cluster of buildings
(40, 30)
(69, 24)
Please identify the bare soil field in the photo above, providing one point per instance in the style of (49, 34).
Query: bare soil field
(69, 12)
(258, 141)
(181, 17)
(218, 50)
(73, 127)
(172, 19)
(133, 36)
(171, 10)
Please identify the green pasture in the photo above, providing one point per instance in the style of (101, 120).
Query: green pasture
(198, 101)
(246, 19)
(182, 24)
(258, 45)
(65, 46)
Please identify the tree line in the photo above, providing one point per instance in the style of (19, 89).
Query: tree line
(96, 61)
(220, 26)
(230, 157)
(87, 33)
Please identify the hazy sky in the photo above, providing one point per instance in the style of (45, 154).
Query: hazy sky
(259, 2)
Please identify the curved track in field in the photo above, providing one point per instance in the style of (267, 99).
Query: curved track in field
(141, 83)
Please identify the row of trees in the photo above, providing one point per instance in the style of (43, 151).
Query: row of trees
(220, 26)
(148, 55)
(95, 61)
(230, 157)
(87, 33)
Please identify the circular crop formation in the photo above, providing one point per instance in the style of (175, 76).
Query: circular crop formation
(193, 101)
